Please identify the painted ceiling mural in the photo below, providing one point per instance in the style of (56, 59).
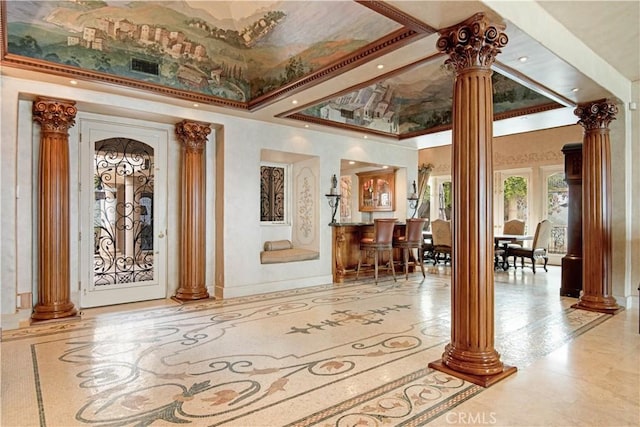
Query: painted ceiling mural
(228, 49)
(416, 101)
(245, 54)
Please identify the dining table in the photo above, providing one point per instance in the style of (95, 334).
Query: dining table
(501, 242)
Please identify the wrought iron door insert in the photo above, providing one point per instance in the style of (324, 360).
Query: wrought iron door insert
(123, 212)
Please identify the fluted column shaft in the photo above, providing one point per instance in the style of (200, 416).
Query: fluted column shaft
(55, 118)
(472, 46)
(193, 137)
(596, 207)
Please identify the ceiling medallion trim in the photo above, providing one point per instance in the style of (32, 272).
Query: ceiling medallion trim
(380, 47)
(343, 126)
(527, 111)
(398, 16)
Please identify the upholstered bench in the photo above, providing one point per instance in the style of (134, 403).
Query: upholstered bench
(277, 251)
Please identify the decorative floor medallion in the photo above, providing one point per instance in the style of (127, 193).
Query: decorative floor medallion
(353, 354)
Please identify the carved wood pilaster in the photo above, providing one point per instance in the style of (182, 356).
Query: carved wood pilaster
(472, 47)
(339, 241)
(193, 137)
(597, 266)
(55, 118)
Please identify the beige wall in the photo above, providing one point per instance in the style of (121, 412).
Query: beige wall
(530, 149)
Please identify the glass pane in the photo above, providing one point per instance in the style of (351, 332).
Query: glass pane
(445, 200)
(123, 212)
(558, 212)
(515, 198)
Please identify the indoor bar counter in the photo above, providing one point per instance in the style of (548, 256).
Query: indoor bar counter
(346, 249)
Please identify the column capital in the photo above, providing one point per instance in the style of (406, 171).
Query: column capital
(596, 114)
(474, 43)
(193, 135)
(54, 115)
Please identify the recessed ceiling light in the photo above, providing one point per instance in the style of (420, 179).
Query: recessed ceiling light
(575, 89)
(380, 66)
(523, 59)
(73, 82)
(365, 136)
(306, 126)
(385, 167)
(351, 162)
(196, 105)
(294, 102)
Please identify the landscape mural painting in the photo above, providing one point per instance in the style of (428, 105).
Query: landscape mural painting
(416, 100)
(234, 50)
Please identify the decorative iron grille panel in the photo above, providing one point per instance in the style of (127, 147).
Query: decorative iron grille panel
(271, 193)
(123, 212)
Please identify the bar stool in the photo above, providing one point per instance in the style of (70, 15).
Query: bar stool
(412, 239)
(382, 241)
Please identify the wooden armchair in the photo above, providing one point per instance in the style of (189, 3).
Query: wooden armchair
(538, 249)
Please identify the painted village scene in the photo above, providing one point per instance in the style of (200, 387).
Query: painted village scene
(231, 50)
(243, 50)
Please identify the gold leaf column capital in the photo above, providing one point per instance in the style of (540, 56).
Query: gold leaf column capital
(473, 43)
(54, 115)
(596, 115)
(193, 135)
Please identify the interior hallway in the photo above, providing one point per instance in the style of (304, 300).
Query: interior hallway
(352, 354)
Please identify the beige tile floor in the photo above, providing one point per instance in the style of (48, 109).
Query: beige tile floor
(333, 355)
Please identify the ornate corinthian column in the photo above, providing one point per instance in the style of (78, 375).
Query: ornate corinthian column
(472, 47)
(55, 118)
(596, 207)
(193, 137)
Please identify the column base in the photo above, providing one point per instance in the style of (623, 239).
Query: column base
(481, 380)
(75, 317)
(46, 312)
(182, 300)
(599, 309)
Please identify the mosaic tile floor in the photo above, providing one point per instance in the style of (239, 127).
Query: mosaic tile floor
(344, 355)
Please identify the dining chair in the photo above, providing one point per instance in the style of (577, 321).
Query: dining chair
(381, 241)
(514, 227)
(538, 249)
(412, 239)
(442, 240)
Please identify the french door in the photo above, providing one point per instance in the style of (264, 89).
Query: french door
(512, 199)
(123, 209)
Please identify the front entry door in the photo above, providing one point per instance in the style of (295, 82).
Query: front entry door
(123, 199)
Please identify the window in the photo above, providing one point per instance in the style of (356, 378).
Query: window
(557, 212)
(273, 193)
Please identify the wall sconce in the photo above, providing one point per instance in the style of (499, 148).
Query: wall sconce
(334, 198)
(413, 200)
